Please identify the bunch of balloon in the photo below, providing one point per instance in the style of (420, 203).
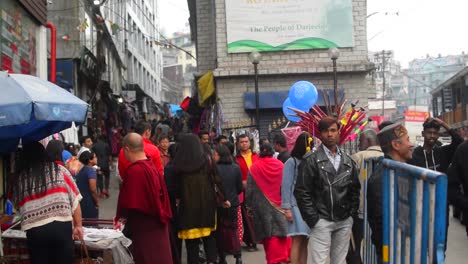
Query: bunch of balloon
(303, 96)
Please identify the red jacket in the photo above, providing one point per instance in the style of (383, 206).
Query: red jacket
(243, 164)
(151, 152)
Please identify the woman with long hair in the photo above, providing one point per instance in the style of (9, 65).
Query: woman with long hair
(231, 178)
(55, 150)
(263, 196)
(49, 203)
(86, 180)
(297, 228)
(197, 207)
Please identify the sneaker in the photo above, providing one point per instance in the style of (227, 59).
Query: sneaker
(102, 195)
(106, 193)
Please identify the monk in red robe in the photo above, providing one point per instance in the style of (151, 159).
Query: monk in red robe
(144, 201)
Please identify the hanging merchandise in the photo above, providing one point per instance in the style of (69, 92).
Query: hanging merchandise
(206, 87)
(185, 103)
(291, 134)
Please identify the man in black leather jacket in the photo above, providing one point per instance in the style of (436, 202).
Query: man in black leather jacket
(327, 193)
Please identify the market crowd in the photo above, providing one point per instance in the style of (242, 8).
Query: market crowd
(216, 194)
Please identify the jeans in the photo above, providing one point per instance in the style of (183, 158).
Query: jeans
(51, 243)
(329, 239)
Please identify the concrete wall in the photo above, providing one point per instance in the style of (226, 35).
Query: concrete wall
(277, 70)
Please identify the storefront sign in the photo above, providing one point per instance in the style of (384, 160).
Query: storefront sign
(279, 25)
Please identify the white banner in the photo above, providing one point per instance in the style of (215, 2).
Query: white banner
(278, 25)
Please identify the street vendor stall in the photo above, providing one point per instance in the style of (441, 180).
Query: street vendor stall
(104, 246)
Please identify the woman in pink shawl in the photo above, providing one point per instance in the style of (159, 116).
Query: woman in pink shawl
(263, 196)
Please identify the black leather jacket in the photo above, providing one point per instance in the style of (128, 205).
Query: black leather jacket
(322, 192)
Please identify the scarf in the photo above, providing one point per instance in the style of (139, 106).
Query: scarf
(143, 191)
(268, 174)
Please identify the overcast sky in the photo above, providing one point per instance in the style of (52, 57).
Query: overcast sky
(421, 26)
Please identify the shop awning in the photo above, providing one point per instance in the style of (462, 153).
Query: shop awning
(275, 99)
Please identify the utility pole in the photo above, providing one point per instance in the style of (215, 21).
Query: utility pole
(384, 56)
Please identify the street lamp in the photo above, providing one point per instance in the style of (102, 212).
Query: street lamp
(255, 57)
(334, 53)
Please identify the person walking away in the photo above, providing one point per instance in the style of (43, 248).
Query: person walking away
(87, 184)
(297, 228)
(281, 147)
(245, 158)
(104, 158)
(144, 201)
(327, 194)
(231, 178)
(49, 204)
(163, 146)
(143, 129)
(369, 148)
(263, 196)
(395, 144)
(458, 182)
(86, 143)
(171, 185)
(197, 206)
(55, 151)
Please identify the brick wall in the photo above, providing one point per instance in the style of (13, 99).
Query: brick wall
(206, 35)
(277, 70)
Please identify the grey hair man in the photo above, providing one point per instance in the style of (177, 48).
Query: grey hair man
(369, 148)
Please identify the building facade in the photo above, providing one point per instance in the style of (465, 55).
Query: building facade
(396, 83)
(425, 75)
(278, 70)
(180, 65)
(109, 56)
(450, 100)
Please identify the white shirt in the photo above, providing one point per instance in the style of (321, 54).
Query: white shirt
(335, 159)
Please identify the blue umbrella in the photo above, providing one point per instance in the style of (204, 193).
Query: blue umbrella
(32, 109)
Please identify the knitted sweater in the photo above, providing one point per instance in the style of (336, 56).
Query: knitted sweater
(57, 203)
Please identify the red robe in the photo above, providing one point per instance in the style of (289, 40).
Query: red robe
(144, 201)
(151, 151)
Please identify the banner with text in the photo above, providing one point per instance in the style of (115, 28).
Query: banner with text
(279, 25)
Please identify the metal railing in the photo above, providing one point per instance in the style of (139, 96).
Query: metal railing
(368, 252)
(414, 202)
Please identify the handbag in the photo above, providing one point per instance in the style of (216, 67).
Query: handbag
(84, 256)
(219, 195)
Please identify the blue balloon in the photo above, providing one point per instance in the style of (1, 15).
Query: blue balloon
(303, 95)
(287, 112)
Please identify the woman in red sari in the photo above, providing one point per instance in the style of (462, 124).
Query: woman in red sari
(263, 196)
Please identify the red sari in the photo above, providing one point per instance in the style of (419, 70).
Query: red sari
(267, 173)
(144, 201)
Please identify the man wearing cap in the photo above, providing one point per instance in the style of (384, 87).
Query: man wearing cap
(327, 193)
(395, 144)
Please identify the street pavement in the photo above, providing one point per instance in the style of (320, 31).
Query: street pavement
(457, 252)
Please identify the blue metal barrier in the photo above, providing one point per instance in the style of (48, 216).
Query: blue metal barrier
(414, 214)
(368, 252)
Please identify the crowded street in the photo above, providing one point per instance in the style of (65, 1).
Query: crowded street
(233, 132)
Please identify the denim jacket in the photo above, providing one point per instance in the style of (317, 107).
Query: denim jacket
(290, 171)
